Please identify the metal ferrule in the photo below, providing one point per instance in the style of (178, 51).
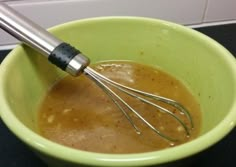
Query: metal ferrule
(77, 65)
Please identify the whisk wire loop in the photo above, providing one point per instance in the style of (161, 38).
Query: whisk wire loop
(102, 82)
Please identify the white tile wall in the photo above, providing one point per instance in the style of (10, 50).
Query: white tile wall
(189, 12)
(218, 10)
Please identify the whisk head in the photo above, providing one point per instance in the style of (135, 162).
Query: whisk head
(105, 84)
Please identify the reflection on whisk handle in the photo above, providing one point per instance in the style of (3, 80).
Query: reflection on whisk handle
(59, 53)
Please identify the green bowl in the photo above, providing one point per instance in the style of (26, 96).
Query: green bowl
(205, 67)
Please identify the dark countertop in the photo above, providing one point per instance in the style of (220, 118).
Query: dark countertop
(15, 154)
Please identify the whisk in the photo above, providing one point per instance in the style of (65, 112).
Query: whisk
(74, 62)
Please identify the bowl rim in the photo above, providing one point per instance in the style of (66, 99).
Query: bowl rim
(100, 159)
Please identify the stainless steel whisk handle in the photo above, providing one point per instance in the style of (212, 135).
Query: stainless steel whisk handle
(58, 52)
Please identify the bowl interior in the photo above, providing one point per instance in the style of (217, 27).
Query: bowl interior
(204, 66)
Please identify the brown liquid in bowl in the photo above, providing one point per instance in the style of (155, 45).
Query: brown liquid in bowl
(78, 114)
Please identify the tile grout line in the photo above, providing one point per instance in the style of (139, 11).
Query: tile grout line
(205, 11)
